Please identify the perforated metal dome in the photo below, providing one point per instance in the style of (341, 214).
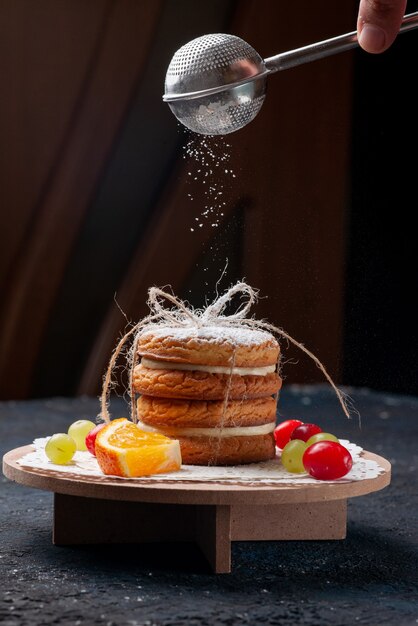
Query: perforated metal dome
(230, 69)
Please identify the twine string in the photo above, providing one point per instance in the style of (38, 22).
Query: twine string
(213, 312)
(182, 315)
(179, 316)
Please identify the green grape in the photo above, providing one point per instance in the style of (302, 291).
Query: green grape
(79, 431)
(321, 437)
(60, 448)
(292, 455)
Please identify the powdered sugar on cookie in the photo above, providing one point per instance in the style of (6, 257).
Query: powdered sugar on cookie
(238, 336)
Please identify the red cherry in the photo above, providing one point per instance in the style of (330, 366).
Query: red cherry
(91, 438)
(327, 460)
(304, 431)
(283, 431)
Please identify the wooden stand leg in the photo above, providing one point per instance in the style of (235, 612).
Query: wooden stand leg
(79, 520)
(302, 521)
(213, 535)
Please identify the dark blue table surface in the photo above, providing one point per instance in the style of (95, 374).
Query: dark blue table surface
(369, 578)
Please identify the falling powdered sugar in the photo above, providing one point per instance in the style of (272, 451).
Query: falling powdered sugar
(209, 158)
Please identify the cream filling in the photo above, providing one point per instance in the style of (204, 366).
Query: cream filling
(233, 431)
(212, 369)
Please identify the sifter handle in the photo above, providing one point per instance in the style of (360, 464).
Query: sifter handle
(328, 47)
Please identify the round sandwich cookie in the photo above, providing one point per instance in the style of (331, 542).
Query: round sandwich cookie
(210, 345)
(172, 413)
(221, 445)
(200, 382)
(213, 432)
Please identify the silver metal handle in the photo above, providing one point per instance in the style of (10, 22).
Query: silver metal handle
(326, 48)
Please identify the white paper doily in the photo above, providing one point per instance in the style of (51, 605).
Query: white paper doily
(268, 472)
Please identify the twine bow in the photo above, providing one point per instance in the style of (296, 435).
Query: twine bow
(182, 315)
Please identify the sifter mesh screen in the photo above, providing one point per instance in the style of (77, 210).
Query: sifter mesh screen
(209, 53)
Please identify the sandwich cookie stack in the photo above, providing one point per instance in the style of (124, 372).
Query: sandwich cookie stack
(213, 388)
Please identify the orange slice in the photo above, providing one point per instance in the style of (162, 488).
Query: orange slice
(123, 449)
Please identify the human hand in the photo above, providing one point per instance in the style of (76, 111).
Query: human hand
(378, 23)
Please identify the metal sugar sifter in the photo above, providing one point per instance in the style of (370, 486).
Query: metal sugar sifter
(216, 84)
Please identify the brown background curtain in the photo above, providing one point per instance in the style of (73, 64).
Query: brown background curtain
(94, 187)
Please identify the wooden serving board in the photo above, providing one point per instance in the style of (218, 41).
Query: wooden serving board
(211, 514)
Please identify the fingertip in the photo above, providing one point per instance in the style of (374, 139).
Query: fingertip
(373, 38)
(378, 23)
